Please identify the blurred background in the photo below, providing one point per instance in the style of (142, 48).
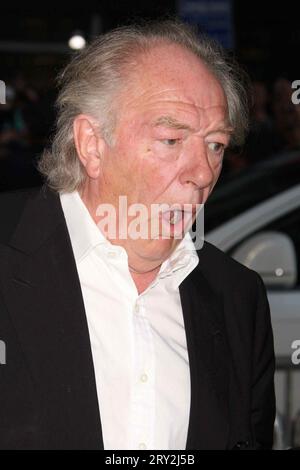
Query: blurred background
(254, 212)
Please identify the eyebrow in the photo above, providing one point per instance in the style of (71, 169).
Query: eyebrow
(169, 121)
(226, 129)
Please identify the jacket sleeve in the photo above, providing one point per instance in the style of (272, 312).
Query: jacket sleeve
(263, 407)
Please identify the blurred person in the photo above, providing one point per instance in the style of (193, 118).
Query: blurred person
(37, 111)
(117, 342)
(19, 147)
(12, 126)
(13, 134)
(259, 109)
(259, 143)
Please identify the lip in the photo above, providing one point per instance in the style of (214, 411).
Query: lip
(178, 229)
(186, 208)
(162, 228)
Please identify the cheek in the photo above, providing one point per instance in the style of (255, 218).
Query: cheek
(138, 169)
(218, 171)
(216, 177)
(159, 183)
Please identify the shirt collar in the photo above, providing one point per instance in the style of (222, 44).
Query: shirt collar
(85, 236)
(84, 233)
(181, 262)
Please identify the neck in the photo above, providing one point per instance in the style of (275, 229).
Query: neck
(142, 277)
(143, 280)
(137, 271)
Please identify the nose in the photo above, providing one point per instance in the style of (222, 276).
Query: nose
(196, 169)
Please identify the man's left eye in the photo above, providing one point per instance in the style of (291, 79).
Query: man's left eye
(170, 142)
(216, 147)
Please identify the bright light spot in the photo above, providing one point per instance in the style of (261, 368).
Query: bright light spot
(77, 42)
(279, 272)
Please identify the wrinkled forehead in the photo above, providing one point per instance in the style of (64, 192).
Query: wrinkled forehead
(186, 117)
(176, 109)
(173, 83)
(166, 79)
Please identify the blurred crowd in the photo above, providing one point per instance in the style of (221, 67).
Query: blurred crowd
(27, 119)
(274, 125)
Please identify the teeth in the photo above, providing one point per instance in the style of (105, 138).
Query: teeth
(175, 217)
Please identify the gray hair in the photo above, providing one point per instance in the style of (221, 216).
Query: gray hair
(91, 81)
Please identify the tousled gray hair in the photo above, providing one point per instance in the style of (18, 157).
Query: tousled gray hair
(89, 84)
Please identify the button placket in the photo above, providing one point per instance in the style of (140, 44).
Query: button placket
(143, 406)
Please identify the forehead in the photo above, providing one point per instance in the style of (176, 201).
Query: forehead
(172, 78)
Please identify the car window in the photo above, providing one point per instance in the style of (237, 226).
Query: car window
(288, 224)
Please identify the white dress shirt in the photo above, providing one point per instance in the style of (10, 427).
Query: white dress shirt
(138, 341)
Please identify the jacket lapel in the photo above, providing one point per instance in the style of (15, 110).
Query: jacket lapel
(43, 295)
(209, 363)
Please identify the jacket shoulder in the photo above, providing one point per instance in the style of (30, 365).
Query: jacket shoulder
(12, 204)
(222, 269)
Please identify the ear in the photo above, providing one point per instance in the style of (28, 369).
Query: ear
(89, 144)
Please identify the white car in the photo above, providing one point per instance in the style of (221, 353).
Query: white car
(265, 236)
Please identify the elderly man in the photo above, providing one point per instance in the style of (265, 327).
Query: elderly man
(115, 340)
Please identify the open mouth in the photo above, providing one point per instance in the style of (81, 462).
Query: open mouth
(176, 221)
(173, 216)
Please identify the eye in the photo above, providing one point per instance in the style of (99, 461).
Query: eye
(216, 147)
(170, 142)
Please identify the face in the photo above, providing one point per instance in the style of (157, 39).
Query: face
(169, 141)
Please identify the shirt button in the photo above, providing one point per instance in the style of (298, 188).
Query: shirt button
(111, 254)
(144, 378)
(142, 446)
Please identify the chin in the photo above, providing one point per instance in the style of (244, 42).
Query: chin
(159, 249)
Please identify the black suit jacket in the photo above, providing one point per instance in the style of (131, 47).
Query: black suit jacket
(48, 397)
